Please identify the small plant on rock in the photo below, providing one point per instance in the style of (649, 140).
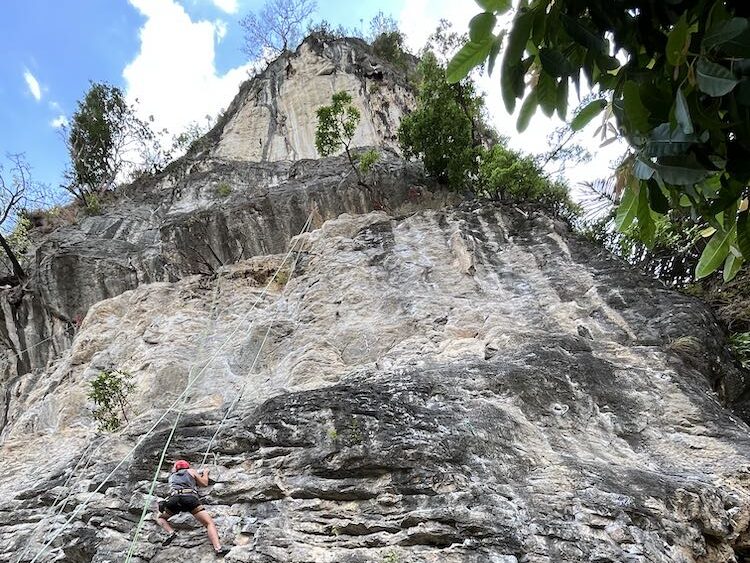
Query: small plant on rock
(368, 160)
(109, 391)
(223, 189)
(337, 124)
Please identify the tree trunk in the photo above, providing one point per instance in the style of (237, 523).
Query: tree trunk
(17, 269)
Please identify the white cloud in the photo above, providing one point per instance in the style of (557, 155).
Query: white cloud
(229, 6)
(59, 121)
(174, 76)
(33, 84)
(420, 18)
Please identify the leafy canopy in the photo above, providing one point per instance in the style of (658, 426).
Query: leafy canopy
(443, 129)
(678, 89)
(105, 140)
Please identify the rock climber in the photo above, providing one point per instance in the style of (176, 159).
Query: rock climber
(183, 497)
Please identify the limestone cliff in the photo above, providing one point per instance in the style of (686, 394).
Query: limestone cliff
(435, 382)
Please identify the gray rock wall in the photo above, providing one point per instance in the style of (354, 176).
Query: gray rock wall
(459, 385)
(180, 226)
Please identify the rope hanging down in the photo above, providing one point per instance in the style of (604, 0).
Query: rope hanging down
(155, 478)
(171, 407)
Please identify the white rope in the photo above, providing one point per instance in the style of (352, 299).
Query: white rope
(247, 381)
(171, 407)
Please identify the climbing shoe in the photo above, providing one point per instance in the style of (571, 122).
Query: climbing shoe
(169, 538)
(221, 552)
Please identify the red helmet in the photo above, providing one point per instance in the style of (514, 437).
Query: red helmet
(181, 464)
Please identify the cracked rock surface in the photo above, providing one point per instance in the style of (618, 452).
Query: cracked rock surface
(469, 384)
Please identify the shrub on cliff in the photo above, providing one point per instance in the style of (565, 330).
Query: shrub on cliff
(106, 142)
(109, 391)
(337, 124)
(507, 175)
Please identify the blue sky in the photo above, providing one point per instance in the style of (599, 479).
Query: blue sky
(181, 59)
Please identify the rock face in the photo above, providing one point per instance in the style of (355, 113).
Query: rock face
(273, 118)
(181, 225)
(410, 380)
(465, 384)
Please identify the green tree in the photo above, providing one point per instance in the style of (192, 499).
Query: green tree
(109, 391)
(106, 141)
(387, 40)
(507, 175)
(678, 90)
(444, 129)
(337, 124)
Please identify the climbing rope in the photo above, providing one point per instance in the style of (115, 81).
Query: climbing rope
(88, 454)
(172, 406)
(252, 367)
(155, 478)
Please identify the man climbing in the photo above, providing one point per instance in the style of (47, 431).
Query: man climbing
(183, 497)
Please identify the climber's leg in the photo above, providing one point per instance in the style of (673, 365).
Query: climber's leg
(162, 518)
(205, 518)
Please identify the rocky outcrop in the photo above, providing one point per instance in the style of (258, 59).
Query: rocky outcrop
(211, 213)
(466, 384)
(273, 117)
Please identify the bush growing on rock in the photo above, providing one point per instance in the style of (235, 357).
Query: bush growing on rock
(337, 124)
(109, 391)
(106, 142)
(507, 175)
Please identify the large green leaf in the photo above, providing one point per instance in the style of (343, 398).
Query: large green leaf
(497, 43)
(732, 265)
(481, 26)
(582, 34)
(715, 253)
(562, 99)
(645, 221)
(512, 71)
(635, 112)
(589, 112)
(656, 198)
(643, 169)
(678, 42)
(680, 170)
(546, 93)
(527, 110)
(555, 63)
(743, 233)
(682, 113)
(714, 79)
(628, 207)
(722, 32)
(497, 6)
(667, 141)
(470, 55)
